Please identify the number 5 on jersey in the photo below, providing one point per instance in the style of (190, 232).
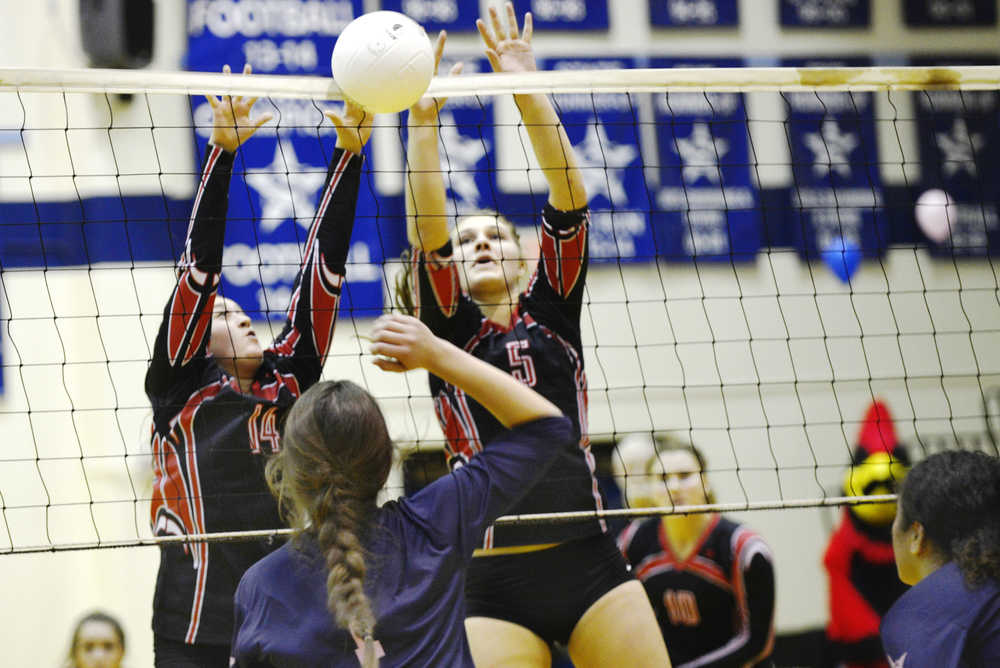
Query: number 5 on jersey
(522, 367)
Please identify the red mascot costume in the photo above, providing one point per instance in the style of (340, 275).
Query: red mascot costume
(858, 560)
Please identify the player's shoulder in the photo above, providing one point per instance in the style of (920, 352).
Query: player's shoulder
(640, 535)
(742, 541)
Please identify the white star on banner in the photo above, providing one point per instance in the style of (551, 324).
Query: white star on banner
(287, 188)
(603, 164)
(832, 149)
(897, 663)
(458, 162)
(958, 149)
(700, 153)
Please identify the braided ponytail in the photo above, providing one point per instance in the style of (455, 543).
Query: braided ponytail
(337, 523)
(335, 456)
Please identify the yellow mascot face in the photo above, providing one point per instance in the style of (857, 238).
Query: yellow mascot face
(879, 473)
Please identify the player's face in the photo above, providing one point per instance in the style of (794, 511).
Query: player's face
(233, 340)
(682, 479)
(97, 646)
(491, 257)
(902, 540)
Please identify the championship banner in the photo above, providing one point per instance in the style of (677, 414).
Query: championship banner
(565, 14)
(436, 15)
(604, 131)
(836, 200)
(946, 13)
(707, 206)
(279, 172)
(825, 13)
(959, 135)
(693, 13)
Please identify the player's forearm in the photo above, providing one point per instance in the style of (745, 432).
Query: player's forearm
(207, 225)
(553, 151)
(511, 402)
(426, 202)
(336, 210)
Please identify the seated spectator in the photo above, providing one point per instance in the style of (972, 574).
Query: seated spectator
(98, 642)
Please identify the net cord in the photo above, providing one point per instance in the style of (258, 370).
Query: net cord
(681, 79)
(528, 519)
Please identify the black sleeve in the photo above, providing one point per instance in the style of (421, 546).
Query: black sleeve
(441, 304)
(754, 640)
(555, 292)
(181, 342)
(304, 342)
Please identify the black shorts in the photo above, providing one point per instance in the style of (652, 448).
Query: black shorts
(169, 653)
(549, 590)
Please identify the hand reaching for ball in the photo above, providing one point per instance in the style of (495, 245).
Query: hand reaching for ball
(231, 124)
(507, 50)
(354, 126)
(425, 110)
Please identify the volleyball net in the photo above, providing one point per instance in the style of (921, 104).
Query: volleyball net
(773, 250)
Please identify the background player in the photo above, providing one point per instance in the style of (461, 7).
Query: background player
(709, 579)
(391, 577)
(98, 642)
(529, 586)
(218, 396)
(946, 538)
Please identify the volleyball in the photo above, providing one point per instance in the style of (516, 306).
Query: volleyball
(383, 61)
(935, 214)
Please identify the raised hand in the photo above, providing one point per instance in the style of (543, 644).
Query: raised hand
(404, 343)
(231, 124)
(506, 50)
(425, 110)
(354, 126)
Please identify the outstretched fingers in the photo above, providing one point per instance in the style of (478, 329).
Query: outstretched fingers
(511, 21)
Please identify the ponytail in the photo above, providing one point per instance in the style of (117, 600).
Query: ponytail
(335, 456)
(337, 523)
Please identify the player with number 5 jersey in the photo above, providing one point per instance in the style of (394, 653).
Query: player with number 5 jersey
(534, 585)
(218, 396)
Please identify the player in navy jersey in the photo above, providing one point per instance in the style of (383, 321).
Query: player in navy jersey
(530, 586)
(385, 586)
(709, 579)
(218, 396)
(946, 540)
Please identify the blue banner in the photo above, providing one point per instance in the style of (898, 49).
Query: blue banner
(837, 197)
(435, 15)
(604, 131)
(825, 13)
(565, 14)
(944, 13)
(959, 135)
(707, 205)
(693, 13)
(280, 171)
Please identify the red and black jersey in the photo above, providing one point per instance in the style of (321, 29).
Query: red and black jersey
(210, 440)
(716, 607)
(542, 348)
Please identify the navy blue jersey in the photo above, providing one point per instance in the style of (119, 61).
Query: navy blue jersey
(715, 607)
(418, 551)
(209, 439)
(942, 623)
(542, 348)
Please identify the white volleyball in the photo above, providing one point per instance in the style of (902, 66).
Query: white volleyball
(935, 214)
(383, 61)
